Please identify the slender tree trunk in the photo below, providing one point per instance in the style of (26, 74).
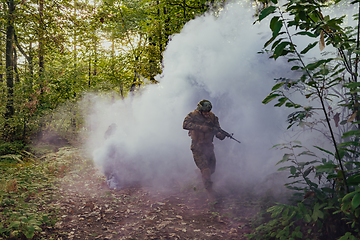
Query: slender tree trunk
(2, 8)
(184, 8)
(89, 71)
(41, 39)
(9, 59)
(17, 78)
(75, 54)
(73, 119)
(122, 91)
(1, 67)
(41, 55)
(159, 28)
(95, 57)
(31, 66)
(166, 27)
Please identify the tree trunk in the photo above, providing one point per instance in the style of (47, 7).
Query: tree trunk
(1, 67)
(2, 8)
(89, 71)
(95, 56)
(9, 59)
(31, 65)
(122, 91)
(15, 58)
(41, 39)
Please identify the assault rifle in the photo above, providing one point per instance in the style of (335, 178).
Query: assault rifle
(218, 129)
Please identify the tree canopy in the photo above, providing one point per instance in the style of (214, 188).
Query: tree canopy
(52, 52)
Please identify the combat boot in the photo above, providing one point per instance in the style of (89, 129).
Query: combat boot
(206, 177)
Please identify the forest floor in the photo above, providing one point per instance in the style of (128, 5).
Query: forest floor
(85, 208)
(90, 210)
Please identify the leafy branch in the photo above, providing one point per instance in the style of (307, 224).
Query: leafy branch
(280, 46)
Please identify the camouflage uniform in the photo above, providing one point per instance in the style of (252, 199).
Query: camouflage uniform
(201, 131)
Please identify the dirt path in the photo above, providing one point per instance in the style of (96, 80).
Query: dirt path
(90, 210)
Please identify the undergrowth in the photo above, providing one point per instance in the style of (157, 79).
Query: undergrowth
(27, 187)
(323, 93)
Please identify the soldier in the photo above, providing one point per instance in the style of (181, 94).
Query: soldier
(110, 131)
(203, 125)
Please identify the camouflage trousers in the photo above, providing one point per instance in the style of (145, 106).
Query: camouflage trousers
(205, 160)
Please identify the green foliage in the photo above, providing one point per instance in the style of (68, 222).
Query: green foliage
(73, 48)
(27, 190)
(11, 148)
(326, 190)
(286, 223)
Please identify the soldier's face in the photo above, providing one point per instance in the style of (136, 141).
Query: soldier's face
(206, 114)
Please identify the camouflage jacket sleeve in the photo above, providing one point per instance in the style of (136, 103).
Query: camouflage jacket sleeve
(219, 135)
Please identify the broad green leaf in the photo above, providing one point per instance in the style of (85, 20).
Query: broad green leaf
(354, 180)
(294, 105)
(347, 236)
(270, 97)
(347, 196)
(14, 224)
(267, 11)
(292, 214)
(277, 86)
(276, 43)
(307, 33)
(308, 48)
(328, 168)
(281, 101)
(348, 144)
(29, 234)
(269, 41)
(280, 48)
(357, 214)
(314, 65)
(307, 171)
(356, 201)
(273, 21)
(317, 213)
(283, 168)
(277, 27)
(293, 59)
(352, 84)
(285, 213)
(276, 210)
(309, 153)
(285, 158)
(307, 218)
(292, 170)
(309, 95)
(351, 133)
(345, 206)
(326, 151)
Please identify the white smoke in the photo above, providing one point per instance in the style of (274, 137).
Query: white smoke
(213, 58)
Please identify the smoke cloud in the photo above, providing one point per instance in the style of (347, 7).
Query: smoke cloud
(214, 58)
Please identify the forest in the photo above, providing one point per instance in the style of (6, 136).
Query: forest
(59, 57)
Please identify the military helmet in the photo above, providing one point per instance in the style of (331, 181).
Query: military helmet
(204, 105)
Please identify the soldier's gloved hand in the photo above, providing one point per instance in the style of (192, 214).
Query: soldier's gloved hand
(206, 129)
(220, 136)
